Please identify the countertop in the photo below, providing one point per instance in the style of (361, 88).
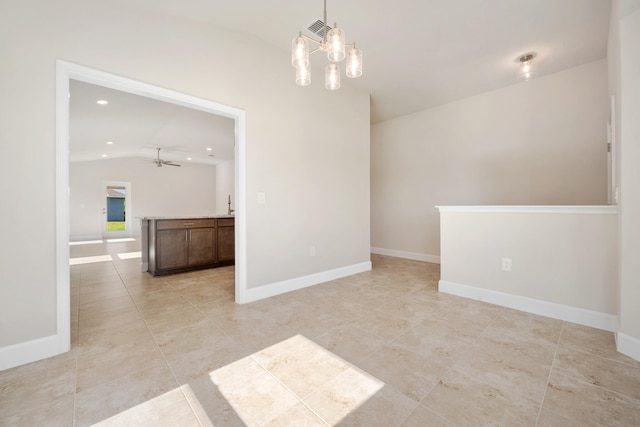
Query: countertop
(187, 217)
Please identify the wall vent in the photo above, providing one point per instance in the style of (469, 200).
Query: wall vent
(317, 28)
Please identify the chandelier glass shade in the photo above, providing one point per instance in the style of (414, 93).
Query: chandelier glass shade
(333, 43)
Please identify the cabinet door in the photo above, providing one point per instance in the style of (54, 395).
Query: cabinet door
(171, 250)
(226, 244)
(202, 246)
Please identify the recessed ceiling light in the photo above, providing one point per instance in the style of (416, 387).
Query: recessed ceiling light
(109, 142)
(188, 158)
(104, 155)
(209, 148)
(102, 102)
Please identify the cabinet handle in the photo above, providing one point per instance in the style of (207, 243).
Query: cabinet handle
(189, 235)
(187, 223)
(186, 239)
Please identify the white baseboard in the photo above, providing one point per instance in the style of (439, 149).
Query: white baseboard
(31, 351)
(568, 313)
(273, 289)
(628, 345)
(407, 255)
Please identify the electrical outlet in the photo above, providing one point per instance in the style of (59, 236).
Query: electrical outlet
(506, 264)
(312, 250)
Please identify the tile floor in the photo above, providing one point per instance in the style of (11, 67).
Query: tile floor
(381, 348)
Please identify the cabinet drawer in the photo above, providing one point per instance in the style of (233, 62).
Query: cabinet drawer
(167, 224)
(226, 222)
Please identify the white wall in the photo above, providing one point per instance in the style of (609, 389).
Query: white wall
(624, 84)
(535, 143)
(563, 259)
(317, 188)
(225, 187)
(189, 190)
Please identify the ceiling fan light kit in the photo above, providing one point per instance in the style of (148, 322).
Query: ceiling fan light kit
(333, 43)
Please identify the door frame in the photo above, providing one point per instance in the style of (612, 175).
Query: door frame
(128, 223)
(66, 71)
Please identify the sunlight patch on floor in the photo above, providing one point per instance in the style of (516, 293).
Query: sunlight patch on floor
(90, 259)
(130, 255)
(85, 242)
(295, 382)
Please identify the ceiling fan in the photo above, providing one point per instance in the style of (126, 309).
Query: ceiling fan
(159, 162)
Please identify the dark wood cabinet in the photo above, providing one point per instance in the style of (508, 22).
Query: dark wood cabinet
(226, 241)
(176, 245)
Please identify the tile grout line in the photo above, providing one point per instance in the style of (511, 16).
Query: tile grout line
(553, 362)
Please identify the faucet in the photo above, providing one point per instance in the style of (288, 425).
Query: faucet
(229, 210)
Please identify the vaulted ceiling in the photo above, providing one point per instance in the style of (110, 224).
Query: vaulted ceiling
(417, 54)
(422, 53)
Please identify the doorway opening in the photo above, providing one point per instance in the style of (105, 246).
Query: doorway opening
(117, 202)
(65, 72)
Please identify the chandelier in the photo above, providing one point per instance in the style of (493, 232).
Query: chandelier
(333, 43)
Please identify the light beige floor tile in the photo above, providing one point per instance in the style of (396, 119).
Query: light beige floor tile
(551, 419)
(204, 292)
(174, 320)
(105, 339)
(355, 398)
(384, 326)
(450, 322)
(189, 339)
(31, 386)
(150, 307)
(503, 352)
(210, 406)
(98, 368)
(86, 289)
(588, 405)
(465, 401)
(435, 344)
(350, 343)
(116, 319)
(297, 416)
(110, 398)
(213, 309)
(422, 417)
(252, 330)
(102, 295)
(520, 325)
(305, 320)
(256, 396)
(189, 366)
(170, 409)
(513, 366)
(598, 371)
(411, 310)
(596, 341)
(408, 372)
(111, 305)
(54, 413)
(301, 365)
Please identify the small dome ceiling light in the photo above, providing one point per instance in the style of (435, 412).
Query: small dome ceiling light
(526, 71)
(102, 102)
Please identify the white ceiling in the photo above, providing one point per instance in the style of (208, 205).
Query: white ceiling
(136, 126)
(417, 54)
